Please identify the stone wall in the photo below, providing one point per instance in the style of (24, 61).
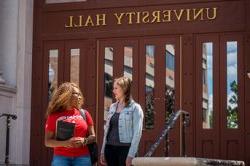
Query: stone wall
(16, 66)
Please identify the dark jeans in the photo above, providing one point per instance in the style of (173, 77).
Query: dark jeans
(116, 155)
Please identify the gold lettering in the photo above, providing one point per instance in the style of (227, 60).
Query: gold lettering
(166, 16)
(70, 25)
(130, 17)
(214, 13)
(119, 17)
(138, 19)
(79, 22)
(100, 19)
(178, 16)
(188, 14)
(145, 18)
(156, 15)
(196, 14)
(89, 21)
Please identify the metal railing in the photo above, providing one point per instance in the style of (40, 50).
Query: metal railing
(184, 121)
(8, 118)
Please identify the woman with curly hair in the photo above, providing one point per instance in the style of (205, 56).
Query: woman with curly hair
(64, 107)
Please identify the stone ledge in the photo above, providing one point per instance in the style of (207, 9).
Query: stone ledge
(183, 161)
(7, 88)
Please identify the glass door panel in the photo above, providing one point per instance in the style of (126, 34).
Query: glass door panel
(108, 78)
(149, 86)
(75, 65)
(232, 85)
(53, 71)
(170, 79)
(207, 85)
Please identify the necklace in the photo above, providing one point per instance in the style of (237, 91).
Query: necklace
(119, 107)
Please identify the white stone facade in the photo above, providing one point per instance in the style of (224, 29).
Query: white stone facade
(16, 32)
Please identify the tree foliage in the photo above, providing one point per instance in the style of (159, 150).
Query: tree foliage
(232, 108)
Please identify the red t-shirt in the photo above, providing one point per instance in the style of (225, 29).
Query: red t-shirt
(81, 130)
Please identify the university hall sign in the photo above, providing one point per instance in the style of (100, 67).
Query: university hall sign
(141, 17)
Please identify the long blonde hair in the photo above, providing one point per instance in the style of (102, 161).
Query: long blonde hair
(125, 84)
(61, 98)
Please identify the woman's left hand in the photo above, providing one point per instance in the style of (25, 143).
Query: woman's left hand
(129, 161)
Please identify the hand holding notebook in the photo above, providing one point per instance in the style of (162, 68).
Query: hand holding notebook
(64, 130)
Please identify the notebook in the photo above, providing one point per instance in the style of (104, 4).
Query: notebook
(64, 130)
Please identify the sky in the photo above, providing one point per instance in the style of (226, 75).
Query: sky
(231, 56)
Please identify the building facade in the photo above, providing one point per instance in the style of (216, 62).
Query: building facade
(191, 55)
(16, 33)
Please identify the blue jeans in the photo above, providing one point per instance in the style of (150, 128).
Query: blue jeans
(71, 161)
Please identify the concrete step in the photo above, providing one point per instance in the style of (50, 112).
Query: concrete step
(183, 161)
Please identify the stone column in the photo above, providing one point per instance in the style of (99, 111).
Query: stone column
(16, 66)
(24, 74)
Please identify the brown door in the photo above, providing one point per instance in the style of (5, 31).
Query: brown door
(116, 58)
(208, 96)
(232, 97)
(74, 61)
(158, 89)
(219, 96)
(62, 61)
(151, 63)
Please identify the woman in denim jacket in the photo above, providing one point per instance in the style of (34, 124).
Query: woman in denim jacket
(123, 128)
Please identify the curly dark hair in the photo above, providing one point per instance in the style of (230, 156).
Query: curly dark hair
(62, 97)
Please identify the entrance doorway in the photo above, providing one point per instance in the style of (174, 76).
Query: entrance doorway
(60, 61)
(220, 96)
(197, 73)
(153, 65)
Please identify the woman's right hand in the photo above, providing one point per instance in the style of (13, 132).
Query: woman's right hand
(68, 143)
(74, 142)
(102, 159)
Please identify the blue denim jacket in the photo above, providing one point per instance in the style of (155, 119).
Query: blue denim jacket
(130, 126)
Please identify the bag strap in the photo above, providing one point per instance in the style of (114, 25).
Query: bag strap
(82, 112)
